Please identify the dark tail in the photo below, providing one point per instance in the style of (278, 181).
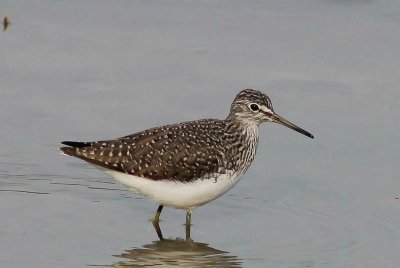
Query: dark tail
(76, 144)
(73, 147)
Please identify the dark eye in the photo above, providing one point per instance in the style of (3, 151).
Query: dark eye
(254, 107)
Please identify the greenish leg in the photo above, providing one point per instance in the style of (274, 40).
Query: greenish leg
(188, 224)
(156, 220)
(188, 217)
(156, 217)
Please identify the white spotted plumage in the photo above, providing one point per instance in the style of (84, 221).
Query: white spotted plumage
(188, 164)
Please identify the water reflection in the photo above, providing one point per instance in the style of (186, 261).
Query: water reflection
(176, 252)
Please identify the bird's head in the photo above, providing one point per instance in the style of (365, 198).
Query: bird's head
(254, 107)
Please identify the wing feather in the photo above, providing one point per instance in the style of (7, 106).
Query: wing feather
(172, 152)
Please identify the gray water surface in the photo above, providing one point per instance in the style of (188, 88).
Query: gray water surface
(99, 70)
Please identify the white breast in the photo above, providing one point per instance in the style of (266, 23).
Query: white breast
(176, 194)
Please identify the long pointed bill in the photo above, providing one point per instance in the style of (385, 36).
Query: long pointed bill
(280, 120)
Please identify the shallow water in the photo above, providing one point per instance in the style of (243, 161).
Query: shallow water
(97, 70)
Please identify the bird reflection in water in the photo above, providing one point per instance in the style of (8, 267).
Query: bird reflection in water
(176, 252)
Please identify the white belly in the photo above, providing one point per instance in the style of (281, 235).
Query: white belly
(179, 195)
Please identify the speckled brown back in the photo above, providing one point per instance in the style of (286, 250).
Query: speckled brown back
(180, 152)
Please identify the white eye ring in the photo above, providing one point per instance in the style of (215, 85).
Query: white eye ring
(254, 107)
